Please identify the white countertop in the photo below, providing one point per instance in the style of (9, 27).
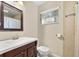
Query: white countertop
(8, 45)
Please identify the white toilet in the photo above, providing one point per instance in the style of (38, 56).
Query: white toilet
(43, 51)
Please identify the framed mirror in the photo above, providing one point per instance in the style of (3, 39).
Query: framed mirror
(11, 18)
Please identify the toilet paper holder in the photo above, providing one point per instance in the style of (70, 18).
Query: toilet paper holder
(60, 36)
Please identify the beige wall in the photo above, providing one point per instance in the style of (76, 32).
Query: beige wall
(48, 32)
(30, 22)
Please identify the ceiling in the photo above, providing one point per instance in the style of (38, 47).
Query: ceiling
(38, 3)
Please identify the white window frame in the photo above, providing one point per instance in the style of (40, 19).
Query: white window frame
(50, 10)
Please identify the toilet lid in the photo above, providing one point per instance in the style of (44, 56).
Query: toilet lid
(43, 49)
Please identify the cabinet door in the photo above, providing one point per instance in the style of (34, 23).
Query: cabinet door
(12, 53)
(20, 54)
(32, 51)
(25, 53)
(1, 55)
(35, 51)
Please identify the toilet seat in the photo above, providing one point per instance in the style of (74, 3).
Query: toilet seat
(43, 50)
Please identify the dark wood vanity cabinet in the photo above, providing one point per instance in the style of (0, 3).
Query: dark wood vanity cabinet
(20, 54)
(32, 51)
(29, 50)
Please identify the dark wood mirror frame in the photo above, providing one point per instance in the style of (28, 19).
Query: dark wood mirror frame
(2, 18)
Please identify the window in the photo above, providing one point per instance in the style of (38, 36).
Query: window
(50, 16)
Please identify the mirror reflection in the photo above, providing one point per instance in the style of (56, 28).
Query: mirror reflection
(12, 17)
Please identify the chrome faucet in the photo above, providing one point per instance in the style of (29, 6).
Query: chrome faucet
(15, 37)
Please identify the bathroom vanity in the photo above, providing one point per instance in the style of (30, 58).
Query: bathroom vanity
(22, 47)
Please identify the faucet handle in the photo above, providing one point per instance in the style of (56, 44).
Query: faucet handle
(15, 37)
